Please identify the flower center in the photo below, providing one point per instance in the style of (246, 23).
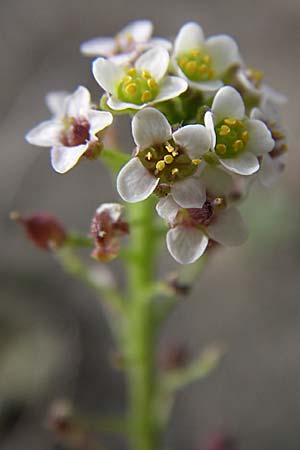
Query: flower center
(232, 138)
(76, 132)
(168, 161)
(196, 217)
(137, 87)
(196, 65)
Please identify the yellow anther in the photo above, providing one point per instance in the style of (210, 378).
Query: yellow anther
(149, 156)
(203, 69)
(174, 153)
(277, 134)
(206, 59)
(284, 148)
(231, 121)
(160, 165)
(182, 61)
(168, 159)
(170, 148)
(130, 89)
(175, 171)
(211, 73)
(196, 162)
(127, 79)
(221, 148)
(238, 145)
(146, 74)
(151, 83)
(218, 201)
(245, 136)
(224, 130)
(146, 96)
(132, 71)
(191, 67)
(195, 52)
(255, 76)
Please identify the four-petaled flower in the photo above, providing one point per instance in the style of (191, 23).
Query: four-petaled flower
(141, 84)
(127, 44)
(236, 140)
(203, 63)
(165, 160)
(73, 130)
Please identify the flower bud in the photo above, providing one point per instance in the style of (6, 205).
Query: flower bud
(43, 229)
(106, 229)
(175, 357)
(220, 442)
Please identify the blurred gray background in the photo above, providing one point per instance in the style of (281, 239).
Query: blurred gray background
(53, 339)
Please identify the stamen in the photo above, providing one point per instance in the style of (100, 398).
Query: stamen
(160, 165)
(231, 121)
(149, 156)
(245, 136)
(168, 159)
(196, 162)
(132, 71)
(238, 145)
(175, 171)
(203, 69)
(175, 153)
(130, 89)
(191, 67)
(127, 79)
(206, 59)
(146, 74)
(224, 130)
(146, 96)
(221, 148)
(151, 83)
(170, 148)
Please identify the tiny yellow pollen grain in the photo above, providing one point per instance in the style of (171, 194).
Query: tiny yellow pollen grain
(168, 159)
(196, 162)
(238, 145)
(160, 165)
(130, 89)
(175, 171)
(146, 74)
(245, 136)
(146, 96)
(149, 156)
(224, 130)
(230, 121)
(151, 83)
(132, 71)
(170, 148)
(191, 67)
(221, 148)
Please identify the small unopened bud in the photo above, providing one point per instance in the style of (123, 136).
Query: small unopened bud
(43, 229)
(107, 227)
(179, 287)
(59, 417)
(175, 357)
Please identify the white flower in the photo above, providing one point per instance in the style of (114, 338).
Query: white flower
(236, 140)
(201, 62)
(140, 85)
(164, 160)
(72, 131)
(127, 44)
(191, 229)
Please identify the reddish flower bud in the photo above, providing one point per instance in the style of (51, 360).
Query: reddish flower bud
(43, 229)
(175, 357)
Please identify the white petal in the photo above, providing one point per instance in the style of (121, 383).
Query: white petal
(209, 123)
(270, 170)
(155, 61)
(186, 245)
(140, 30)
(107, 74)
(64, 158)
(245, 164)
(45, 134)
(79, 102)
(229, 228)
(190, 37)
(160, 42)
(218, 183)
(150, 127)
(207, 86)
(167, 209)
(228, 103)
(274, 96)
(114, 210)
(224, 52)
(189, 193)
(117, 105)
(171, 87)
(123, 58)
(195, 139)
(56, 102)
(260, 138)
(134, 182)
(98, 120)
(100, 46)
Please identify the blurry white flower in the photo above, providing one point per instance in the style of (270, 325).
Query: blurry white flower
(127, 44)
(139, 85)
(72, 131)
(165, 160)
(203, 62)
(192, 228)
(236, 140)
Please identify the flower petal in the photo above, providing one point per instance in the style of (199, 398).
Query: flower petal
(190, 37)
(155, 61)
(167, 209)
(99, 46)
(244, 164)
(206, 86)
(107, 74)
(229, 228)
(64, 158)
(209, 123)
(171, 87)
(160, 42)
(79, 102)
(134, 182)
(150, 127)
(56, 102)
(98, 120)
(195, 139)
(139, 30)
(218, 183)
(186, 245)
(189, 193)
(227, 103)
(270, 170)
(114, 210)
(260, 138)
(45, 134)
(224, 52)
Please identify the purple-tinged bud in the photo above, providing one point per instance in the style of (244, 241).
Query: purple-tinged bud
(43, 229)
(174, 357)
(179, 288)
(106, 228)
(59, 418)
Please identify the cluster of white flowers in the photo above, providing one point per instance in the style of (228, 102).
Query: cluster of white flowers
(203, 123)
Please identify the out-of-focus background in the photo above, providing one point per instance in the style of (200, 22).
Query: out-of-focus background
(53, 339)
